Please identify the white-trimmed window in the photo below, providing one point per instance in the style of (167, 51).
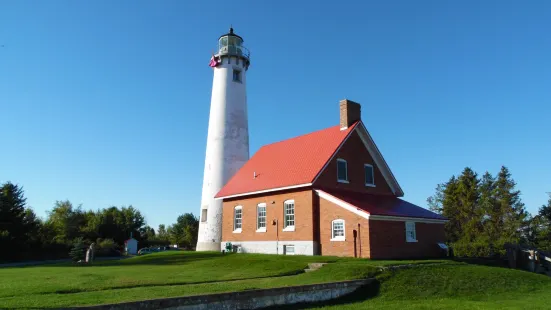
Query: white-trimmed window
(342, 170)
(289, 214)
(261, 217)
(337, 230)
(411, 236)
(237, 218)
(289, 249)
(369, 175)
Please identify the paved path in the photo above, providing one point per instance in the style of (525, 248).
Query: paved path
(53, 261)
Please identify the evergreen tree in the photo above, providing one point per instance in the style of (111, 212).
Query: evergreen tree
(435, 201)
(18, 224)
(491, 219)
(468, 194)
(545, 210)
(77, 251)
(449, 209)
(483, 214)
(509, 212)
(541, 227)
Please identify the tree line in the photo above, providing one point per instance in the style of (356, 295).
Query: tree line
(486, 213)
(24, 236)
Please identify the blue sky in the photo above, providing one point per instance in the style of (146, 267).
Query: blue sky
(106, 102)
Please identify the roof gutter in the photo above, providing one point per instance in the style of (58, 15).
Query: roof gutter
(264, 191)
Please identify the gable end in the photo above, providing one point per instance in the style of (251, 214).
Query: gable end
(379, 160)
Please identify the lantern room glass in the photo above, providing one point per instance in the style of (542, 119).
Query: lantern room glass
(232, 45)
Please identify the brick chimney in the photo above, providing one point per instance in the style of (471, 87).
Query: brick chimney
(350, 112)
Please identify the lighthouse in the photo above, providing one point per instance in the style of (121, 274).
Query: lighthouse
(228, 133)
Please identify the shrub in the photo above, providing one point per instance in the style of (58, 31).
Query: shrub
(106, 247)
(77, 252)
(472, 249)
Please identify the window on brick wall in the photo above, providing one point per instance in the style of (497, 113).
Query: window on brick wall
(289, 213)
(237, 218)
(369, 175)
(411, 235)
(342, 171)
(289, 249)
(337, 230)
(261, 217)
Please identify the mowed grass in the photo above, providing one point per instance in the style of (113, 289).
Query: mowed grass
(456, 286)
(165, 274)
(440, 285)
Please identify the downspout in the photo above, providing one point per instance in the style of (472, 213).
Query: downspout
(277, 236)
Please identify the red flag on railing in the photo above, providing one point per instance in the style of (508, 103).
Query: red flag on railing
(214, 61)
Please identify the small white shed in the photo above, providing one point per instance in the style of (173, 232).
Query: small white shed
(131, 246)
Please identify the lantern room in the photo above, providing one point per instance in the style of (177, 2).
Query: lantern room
(230, 44)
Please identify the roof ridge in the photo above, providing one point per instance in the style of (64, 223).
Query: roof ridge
(300, 136)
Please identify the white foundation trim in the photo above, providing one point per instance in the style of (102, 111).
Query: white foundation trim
(274, 247)
(342, 204)
(265, 191)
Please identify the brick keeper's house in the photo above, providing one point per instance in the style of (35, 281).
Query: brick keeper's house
(329, 192)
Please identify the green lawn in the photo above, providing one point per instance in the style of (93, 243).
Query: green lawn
(442, 285)
(456, 286)
(166, 274)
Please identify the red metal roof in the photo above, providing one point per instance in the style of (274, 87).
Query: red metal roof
(286, 163)
(383, 204)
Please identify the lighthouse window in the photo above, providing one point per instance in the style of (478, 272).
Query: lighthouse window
(203, 215)
(236, 75)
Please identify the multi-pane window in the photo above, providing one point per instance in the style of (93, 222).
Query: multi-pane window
(289, 249)
(342, 170)
(369, 176)
(261, 216)
(337, 230)
(410, 232)
(237, 218)
(289, 212)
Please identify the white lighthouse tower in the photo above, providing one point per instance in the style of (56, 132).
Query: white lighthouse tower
(228, 134)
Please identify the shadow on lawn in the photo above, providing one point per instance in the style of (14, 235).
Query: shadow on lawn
(361, 294)
(488, 262)
(179, 283)
(149, 259)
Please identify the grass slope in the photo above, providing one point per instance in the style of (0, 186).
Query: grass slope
(457, 286)
(443, 285)
(167, 274)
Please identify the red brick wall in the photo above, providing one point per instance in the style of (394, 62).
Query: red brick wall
(304, 217)
(353, 247)
(356, 155)
(388, 240)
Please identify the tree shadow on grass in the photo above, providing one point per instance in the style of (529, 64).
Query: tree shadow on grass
(488, 262)
(149, 259)
(363, 293)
